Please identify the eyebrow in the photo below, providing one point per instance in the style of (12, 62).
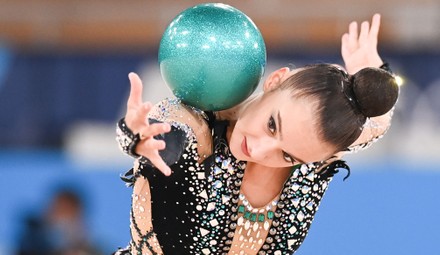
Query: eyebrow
(281, 138)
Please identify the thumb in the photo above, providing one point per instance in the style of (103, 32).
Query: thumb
(135, 97)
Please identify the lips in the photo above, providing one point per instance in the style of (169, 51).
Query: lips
(244, 147)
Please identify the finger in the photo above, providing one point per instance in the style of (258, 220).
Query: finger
(138, 119)
(147, 145)
(353, 35)
(344, 45)
(375, 25)
(160, 164)
(365, 29)
(155, 129)
(135, 97)
(344, 39)
(143, 112)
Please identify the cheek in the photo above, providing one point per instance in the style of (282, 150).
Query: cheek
(251, 124)
(234, 143)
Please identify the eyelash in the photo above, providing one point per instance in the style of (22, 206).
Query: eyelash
(288, 158)
(271, 125)
(272, 128)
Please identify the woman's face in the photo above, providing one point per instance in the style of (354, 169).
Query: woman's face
(278, 130)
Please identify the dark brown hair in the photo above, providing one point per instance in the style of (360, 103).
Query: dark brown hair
(344, 102)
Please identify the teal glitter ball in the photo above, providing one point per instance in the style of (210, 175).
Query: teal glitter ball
(212, 56)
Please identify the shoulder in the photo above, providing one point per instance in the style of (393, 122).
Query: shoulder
(192, 120)
(173, 111)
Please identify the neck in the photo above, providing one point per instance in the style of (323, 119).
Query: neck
(264, 174)
(262, 184)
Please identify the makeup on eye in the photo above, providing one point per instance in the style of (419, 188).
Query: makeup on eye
(288, 158)
(271, 125)
(273, 130)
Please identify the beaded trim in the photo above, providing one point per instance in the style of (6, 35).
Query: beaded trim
(254, 215)
(143, 237)
(126, 139)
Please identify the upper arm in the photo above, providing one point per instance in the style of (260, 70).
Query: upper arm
(190, 120)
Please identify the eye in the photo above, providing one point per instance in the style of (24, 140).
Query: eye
(288, 158)
(271, 125)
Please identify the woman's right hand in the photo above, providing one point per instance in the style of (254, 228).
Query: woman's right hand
(137, 121)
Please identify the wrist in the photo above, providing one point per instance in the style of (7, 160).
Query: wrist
(127, 139)
(386, 66)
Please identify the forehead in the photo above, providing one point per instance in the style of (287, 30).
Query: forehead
(300, 128)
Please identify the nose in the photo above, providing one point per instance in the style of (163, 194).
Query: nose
(263, 147)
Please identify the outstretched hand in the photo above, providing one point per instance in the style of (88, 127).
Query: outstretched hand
(359, 49)
(136, 119)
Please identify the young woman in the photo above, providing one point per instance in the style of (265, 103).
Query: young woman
(248, 180)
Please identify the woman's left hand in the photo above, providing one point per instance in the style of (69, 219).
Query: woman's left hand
(359, 50)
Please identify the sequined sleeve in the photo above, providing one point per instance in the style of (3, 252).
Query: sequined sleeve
(373, 130)
(170, 111)
(297, 206)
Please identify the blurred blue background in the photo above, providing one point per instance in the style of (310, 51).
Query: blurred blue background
(63, 86)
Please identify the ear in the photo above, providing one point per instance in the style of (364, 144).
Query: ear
(274, 79)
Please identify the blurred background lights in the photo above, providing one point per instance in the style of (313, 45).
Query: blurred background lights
(399, 80)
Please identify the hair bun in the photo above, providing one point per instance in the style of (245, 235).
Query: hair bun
(375, 90)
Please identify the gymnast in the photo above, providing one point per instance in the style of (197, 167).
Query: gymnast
(249, 179)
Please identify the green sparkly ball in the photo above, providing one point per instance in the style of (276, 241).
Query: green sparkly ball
(212, 56)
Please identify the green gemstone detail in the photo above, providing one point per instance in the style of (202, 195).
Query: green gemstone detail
(270, 215)
(253, 217)
(261, 217)
(247, 215)
(241, 209)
